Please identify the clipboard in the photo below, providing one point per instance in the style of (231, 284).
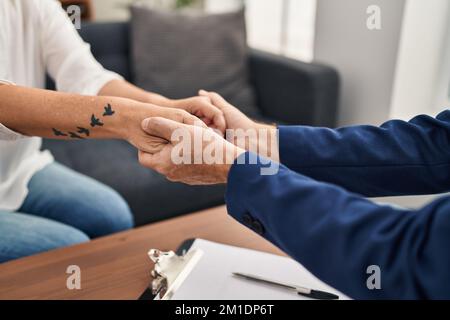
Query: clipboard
(188, 273)
(185, 246)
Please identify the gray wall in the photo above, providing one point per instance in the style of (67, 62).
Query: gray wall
(365, 59)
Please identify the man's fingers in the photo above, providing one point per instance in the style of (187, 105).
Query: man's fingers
(185, 117)
(160, 127)
(220, 123)
(205, 110)
(147, 160)
(216, 99)
(215, 115)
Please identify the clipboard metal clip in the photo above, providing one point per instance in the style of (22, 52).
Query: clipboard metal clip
(170, 270)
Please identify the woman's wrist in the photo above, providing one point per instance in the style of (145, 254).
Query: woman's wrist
(130, 114)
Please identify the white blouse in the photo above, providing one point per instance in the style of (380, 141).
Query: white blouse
(37, 36)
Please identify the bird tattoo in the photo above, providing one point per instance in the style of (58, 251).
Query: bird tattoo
(108, 111)
(75, 136)
(83, 131)
(58, 133)
(95, 121)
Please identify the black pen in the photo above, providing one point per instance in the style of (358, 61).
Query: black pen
(310, 293)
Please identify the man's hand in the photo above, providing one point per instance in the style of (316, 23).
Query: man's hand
(246, 133)
(203, 108)
(190, 154)
(234, 118)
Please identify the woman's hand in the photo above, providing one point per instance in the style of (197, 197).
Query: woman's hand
(132, 130)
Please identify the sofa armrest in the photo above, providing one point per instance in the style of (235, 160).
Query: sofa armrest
(294, 92)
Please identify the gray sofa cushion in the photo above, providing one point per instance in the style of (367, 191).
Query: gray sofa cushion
(176, 54)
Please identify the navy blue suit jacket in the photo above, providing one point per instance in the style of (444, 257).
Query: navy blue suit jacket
(314, 207)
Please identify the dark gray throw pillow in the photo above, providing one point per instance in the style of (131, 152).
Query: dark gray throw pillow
(176, 54)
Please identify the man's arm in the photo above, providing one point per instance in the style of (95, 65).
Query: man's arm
(36, 112)
(397, 158)
(337, 235)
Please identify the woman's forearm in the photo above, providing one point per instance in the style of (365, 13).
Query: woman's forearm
(50, 114)
(201, 107)
(121, 88)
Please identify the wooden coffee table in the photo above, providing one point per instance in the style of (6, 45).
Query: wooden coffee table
(117, 266)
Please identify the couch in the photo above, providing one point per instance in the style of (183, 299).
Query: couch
(288, 91)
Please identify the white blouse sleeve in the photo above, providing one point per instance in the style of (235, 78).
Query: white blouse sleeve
(67, 57)
(9, 135)
(6, 133)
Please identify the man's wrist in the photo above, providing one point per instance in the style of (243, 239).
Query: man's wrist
(265, 141)
(263, 126)
(224, 169)
(268, 142)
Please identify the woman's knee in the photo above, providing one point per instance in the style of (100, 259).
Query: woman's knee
(101, 212)
(61, 194)
(112, 213)
(23, 235)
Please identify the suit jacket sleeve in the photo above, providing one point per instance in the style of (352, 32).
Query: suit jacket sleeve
(337, 235)
(398, 158)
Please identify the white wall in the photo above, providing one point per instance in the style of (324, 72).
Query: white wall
(396, 72)
(266, 23)
(443, 92)
(423, 69)
(365, 59)
(301, 28)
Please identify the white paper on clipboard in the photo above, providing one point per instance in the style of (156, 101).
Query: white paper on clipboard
(212, 278)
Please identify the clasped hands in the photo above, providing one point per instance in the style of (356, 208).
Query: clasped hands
(198, 146)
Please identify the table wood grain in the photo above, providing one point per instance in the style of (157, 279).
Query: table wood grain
(117, 266)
